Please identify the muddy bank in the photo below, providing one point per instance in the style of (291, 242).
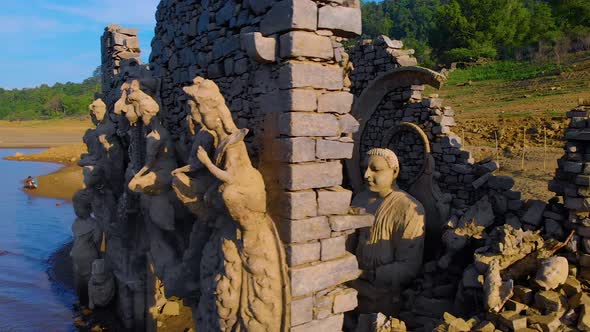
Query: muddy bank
(63, 183)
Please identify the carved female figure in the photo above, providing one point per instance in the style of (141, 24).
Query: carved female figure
(389, 252)
(243, 279)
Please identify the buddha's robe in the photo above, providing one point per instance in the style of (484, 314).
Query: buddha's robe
(391, 250)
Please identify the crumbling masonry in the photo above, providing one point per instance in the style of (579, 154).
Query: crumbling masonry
(313, 111)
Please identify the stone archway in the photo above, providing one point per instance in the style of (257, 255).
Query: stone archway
(368, 102)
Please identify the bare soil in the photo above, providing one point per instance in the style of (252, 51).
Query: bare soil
(42, 133)
(502, 118)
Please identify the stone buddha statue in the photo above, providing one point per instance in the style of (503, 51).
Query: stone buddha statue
(389, 252)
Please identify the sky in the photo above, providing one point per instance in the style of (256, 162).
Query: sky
(49, 41)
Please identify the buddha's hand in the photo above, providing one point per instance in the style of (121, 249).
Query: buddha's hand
(203, 156)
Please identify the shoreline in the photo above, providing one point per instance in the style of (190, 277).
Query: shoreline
(63, 183)
(62, 141)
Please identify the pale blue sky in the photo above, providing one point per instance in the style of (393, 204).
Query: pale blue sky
(49, 41)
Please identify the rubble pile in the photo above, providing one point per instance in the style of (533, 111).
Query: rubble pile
(516, 269)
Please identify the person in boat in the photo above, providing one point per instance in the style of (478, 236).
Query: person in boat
(31, 183)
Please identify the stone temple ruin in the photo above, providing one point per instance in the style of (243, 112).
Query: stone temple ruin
(224, 185)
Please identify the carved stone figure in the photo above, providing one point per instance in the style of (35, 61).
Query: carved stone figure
(155, 178)
(87, 238)
(153, 181)
(190, 182)
(104, 147)
(389, 252)
(103, 200)
(101, 287)
(243, 280)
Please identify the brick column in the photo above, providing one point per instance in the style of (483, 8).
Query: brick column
(118, 45)
(313, 138)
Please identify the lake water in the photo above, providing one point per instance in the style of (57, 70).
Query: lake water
(31, 230)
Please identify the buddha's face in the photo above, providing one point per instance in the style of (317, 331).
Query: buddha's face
(379, 176)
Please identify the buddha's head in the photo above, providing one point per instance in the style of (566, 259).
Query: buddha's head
(382, 169)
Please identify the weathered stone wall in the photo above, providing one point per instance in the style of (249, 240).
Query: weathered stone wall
(572, 183)
(283, 71)
(277, 64)
(371, 58)
(456, 172)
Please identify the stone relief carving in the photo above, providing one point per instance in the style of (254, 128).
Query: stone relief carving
(104, 146)
(153, 181)
(389, 252)
(101, 287)
(243, 279)
(87, 238)
(154, 178)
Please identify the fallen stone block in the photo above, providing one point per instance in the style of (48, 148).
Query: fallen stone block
(534, 213)
(552, 273)
(548, 301)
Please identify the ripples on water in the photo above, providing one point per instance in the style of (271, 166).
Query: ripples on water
(31, 230)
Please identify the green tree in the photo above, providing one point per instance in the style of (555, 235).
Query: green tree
(375, 21)
(480, 28)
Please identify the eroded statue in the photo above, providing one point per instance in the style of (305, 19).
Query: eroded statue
(101, 287)
(104, 147)
(389, 252)
(87, 238)
(154, 178)
(190, 182)
(243, 277)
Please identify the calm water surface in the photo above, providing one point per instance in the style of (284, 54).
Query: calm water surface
(31, 229)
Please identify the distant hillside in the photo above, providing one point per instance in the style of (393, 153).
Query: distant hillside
(46, 102)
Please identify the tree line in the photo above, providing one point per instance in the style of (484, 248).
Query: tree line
(444, 31)
(46, 102)
(441, 31)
